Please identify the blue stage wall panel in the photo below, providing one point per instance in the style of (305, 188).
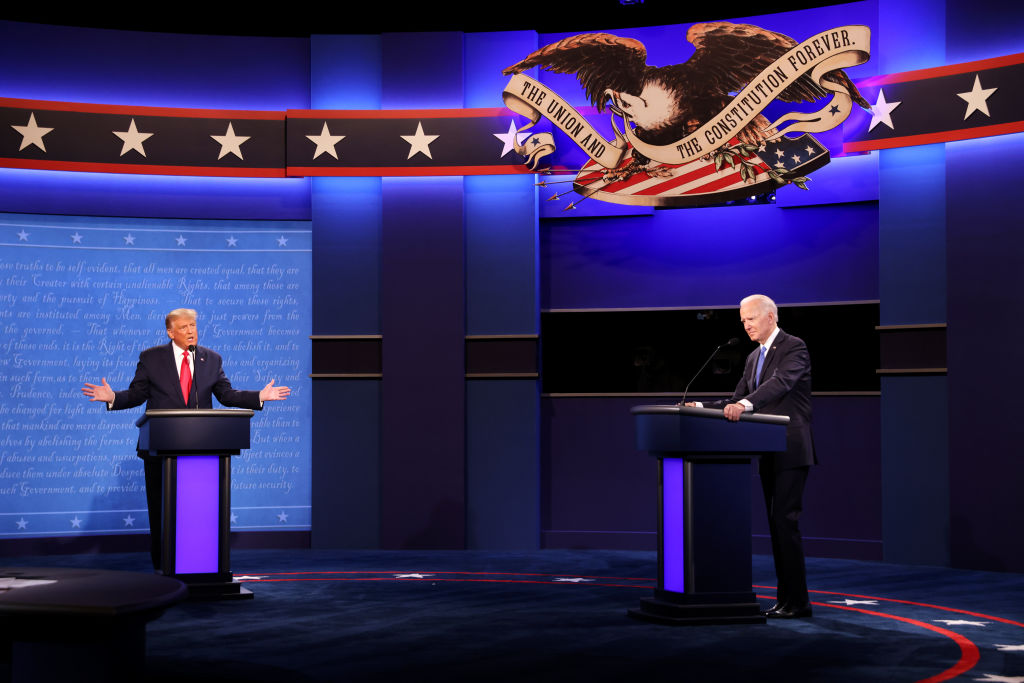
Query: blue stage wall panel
(985, 248)
(711, 257)
(423, 400)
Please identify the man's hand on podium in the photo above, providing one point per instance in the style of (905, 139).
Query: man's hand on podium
(272, 393)
(733, 411)
(99, 392)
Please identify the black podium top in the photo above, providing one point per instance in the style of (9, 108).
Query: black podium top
(709, 413)
(678, 429)
(183, 432)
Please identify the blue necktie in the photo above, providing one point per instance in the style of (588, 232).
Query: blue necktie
(760, 364)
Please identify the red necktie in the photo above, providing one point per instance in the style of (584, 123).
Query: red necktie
(186, 377)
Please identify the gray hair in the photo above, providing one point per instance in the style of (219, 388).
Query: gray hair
(763, 302)
(187, 313)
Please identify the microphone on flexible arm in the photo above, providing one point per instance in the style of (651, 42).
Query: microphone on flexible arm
(731, 342)
(192, 350)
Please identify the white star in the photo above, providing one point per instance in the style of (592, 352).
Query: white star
(282, 517)
(510, 138)
(961, 622)
(22, 523)
(129, 240)
(282, 241)
(849, 602)
(234, 517)
(23, 236)
(129, 520)
(976, 98)
(76, 238)
(181, 240)
(419, 142)
(779, 153)
(795, 158)
(230, 143)
(232, 241)
(993, 678)
(575, 579)
(881, 109)
(763, 147)
(412, 576)
(325, 142)
(32, 133)
(779, 164)
(809, 150)
(1009, 648)
(132, 139)
(76, 523)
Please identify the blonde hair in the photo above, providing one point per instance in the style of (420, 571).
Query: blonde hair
(187, 313)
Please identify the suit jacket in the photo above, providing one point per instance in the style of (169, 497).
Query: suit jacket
(785, 389)
(157, 385)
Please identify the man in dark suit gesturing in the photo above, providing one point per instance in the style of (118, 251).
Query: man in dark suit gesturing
(777, 380)
(177, 375)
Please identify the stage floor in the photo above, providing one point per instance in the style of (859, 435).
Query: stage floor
(560, 615)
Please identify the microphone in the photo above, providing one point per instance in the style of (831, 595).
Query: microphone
(192, 350)
(732, 342)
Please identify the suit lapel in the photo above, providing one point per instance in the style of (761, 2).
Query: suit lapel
(773, 353)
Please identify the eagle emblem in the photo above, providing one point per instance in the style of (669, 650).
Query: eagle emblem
(659, 106)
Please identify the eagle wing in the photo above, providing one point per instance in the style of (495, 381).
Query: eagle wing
(599, 60)
(729, 56)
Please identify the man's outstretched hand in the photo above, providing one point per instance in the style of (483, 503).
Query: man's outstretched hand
(272, 393)
(101, 392)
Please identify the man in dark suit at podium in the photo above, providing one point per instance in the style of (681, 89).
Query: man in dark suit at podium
(777, 380)
(177, 375)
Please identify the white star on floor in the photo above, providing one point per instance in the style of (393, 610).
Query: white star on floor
(849, 602)
(993, 678)
(232, 241)
(1009, 648)
(23, 236)
(129, 520)
(325, 142)
(977, 98)
(961, 622)
(180, 239)
(22, 523)
(510, 138)
(230, 143)
(132, 139)
(32, 133)
(575, 579)
(129, 240)
(881, 109)
(282, 241)
(282, 517)
(412, 576)
(76, 523)
(76, 238)
(420, 142)
(234, 517)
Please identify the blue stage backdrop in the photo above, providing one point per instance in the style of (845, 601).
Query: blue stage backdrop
(81, 297)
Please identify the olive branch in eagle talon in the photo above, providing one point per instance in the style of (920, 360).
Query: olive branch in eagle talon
(665, 104)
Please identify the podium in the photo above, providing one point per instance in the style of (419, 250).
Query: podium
(704, 550)
(195, 447)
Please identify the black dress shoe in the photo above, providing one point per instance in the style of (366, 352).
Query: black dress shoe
(787, 612)
(774, 608)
